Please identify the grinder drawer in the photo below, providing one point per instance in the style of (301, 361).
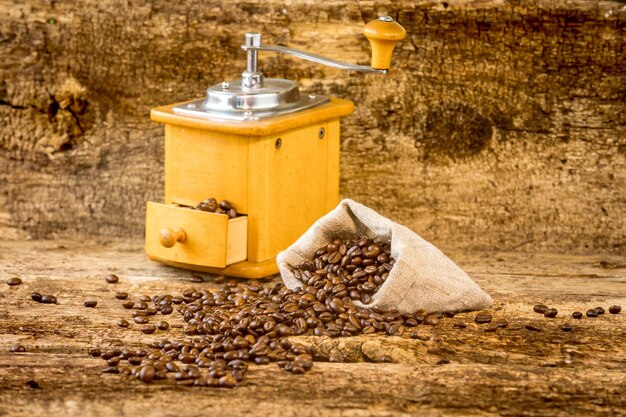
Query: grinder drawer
(195, 237)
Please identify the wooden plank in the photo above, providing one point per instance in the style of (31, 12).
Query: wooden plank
(509, 372)
(501, 125)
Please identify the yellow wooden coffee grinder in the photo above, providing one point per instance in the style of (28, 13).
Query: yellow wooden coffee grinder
(262, 145)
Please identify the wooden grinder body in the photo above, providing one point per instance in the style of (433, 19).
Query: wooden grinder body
(281, 173)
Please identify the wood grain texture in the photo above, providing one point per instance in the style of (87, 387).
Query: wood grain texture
(502, 124)
(447, 371)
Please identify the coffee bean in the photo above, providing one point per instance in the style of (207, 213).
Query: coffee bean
(33, 384)
(148, 329)
(91, 303)
(94, 353)
(14, 281)
(432, 320)
(121, 295)
(112, 279)
(141, 320)
(460, 325)
(162, 325)
(146, 373)
(111, 370)
(167, 310)
(540, 308)
(36, 297)
(128, 305)
(219, 279)
(48, 299)
(482, 318)
(577, 315)
(196, 278)
(615, 309)
(532, 327)
(551, 313)
(592, 313)
(123, 323)
(566, 328)
(114, 361)
(17, 348)
(232, 213)
(599, 311)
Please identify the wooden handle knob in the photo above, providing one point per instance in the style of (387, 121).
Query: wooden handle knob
(168, 237)
(383, 33)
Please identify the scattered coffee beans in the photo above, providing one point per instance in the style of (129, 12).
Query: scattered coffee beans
(14, 281)
(615, 309)
(112, 279)
(483, 318)
(551, 313)
(592, 313)
(91, 303)
(540, 308)
(577, 315)
(17, 348)
(224, 207)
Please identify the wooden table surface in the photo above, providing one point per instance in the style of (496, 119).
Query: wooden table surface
(448, 371)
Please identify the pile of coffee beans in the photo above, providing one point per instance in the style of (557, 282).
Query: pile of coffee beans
(211, 205)
(354, 268)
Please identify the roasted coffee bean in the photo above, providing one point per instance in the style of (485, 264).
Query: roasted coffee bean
(91, 303)
(196, 278)
(599, 311)
(482, 318)
(112, 279)
(94, 353)
(121, 295)
(231, 213)
(141, 305)
(532, 327)
(145, 298)
(551, 313)
(17, 348)
(432, 320)
(14, 281)
(167, 310)
(141, 320)
(566, 328)
(111, 370)
(114, 361)
(123, 323)
(577, 315)
(162, 325)
(592, 313)
(615, 309)
(146, 373)
(148, 329)
(128, 305)
(135, 360)
(48, 299)
(460, 325)
(36, 297)
(540, 308)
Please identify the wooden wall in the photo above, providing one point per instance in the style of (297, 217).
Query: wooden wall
(502, 125)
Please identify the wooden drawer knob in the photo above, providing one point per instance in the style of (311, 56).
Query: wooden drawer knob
(168, 237)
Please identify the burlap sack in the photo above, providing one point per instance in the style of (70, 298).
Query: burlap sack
(422, 277)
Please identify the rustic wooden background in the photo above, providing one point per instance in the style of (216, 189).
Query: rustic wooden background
(501, 126)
